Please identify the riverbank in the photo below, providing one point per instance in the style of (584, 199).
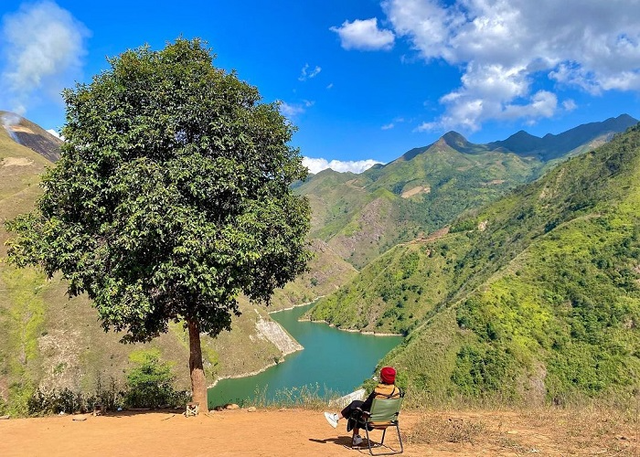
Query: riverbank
(350, 330)
(278, 336)
(296, 306)
(296, 432)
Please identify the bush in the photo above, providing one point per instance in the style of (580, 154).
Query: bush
(150, 383)
(44, 403)
(110, 397)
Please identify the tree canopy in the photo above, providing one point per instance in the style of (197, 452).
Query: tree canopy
(172, 195)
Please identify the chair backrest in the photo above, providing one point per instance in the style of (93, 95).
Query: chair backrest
(385, 409)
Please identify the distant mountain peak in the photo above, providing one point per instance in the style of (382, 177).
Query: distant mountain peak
(523, 143)
(452, 135)
(26, 133)
(553, 146)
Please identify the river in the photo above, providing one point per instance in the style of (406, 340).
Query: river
(332, 362)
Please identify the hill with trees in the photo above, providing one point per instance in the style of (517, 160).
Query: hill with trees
(362, 216)
(436, 287)
(535, 296)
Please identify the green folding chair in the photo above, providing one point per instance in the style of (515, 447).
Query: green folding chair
(384, 414)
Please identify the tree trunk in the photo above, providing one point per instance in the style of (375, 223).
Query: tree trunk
(198, 380)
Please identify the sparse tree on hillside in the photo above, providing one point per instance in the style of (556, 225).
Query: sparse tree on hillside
(171, 198)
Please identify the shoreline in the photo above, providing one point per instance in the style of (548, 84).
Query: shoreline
(296, 306)
(370, 333)
(349, 329)
(253, 373)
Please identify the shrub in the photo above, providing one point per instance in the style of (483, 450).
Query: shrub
(150, 383)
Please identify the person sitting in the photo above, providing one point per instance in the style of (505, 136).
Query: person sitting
(385, 389)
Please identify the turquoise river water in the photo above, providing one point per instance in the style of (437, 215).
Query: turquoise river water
(332, 361)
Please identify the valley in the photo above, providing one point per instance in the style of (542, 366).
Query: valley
(511, 268)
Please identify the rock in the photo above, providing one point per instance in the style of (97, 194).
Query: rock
(251, 409)
(229, 406)
(79, 418)
(344, 401)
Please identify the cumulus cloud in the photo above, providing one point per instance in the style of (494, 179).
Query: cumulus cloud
(306, 74)
(388, 126)
(55, 133)
(42, 48)
(504, 46)
(357, 166)
(364, 35)
(291, 110)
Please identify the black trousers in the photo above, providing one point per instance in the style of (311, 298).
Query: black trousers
(353, 414)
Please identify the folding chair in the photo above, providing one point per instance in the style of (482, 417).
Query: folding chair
(384, 414)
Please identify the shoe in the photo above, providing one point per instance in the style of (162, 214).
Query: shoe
(332, 418)
(357, 440)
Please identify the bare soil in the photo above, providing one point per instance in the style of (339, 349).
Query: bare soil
(299, 432)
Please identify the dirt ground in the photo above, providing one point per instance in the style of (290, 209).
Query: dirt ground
(298, 432)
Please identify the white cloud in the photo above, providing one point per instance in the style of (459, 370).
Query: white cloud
(317, 165)
(364, 35)
(330, 86)
(388, 126)
(569, 105)
(42, 47)
(503, 46)
(55, 133)
(290, 110)
(306, 74)
(427, 127)
(542, 104)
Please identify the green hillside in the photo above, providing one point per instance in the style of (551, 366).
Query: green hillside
(534, 297)
(362, 216)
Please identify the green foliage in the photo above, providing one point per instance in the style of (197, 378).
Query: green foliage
(22, 320)
(44, 403)
(47, 402)
(150, 382)
(463, 226)
(394, 293)
(20, 393)
(543, 303)
(483, 369)
(171, 197)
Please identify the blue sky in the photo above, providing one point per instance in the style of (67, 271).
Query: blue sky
(364, 80)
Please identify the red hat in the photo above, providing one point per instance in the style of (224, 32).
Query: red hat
(388, 375)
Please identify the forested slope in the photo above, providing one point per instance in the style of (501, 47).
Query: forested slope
(534, 296)
(362, 216)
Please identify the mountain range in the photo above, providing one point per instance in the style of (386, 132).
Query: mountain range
(534, 297)
(512, 267)
(361, 216)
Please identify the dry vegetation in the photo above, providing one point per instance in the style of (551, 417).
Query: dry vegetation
(585, 430)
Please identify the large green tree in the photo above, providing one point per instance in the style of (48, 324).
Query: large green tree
(172, 197)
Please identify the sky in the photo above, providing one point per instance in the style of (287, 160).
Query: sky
(364, 81)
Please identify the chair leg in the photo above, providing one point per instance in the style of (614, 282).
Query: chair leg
(399, 439)
(384, 431)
